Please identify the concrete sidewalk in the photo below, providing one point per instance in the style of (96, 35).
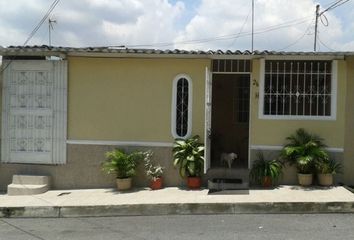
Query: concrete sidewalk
(109, 202)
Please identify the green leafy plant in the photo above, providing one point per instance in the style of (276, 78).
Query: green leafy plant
(151, 170)
(328, 166)
(262, 168)
(303, 150)
(188, 154)
(121, 163)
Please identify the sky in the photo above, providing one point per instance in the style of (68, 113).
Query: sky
(281, 25)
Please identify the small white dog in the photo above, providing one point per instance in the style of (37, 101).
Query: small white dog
(228, 158)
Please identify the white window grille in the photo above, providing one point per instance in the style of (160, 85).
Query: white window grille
(182, 107)
(231, 66)
(298, 89)
(34, 112)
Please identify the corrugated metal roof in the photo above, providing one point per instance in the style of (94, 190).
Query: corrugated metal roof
(46, 50)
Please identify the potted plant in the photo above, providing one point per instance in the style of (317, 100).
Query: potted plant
(123, 165)
(188, 155)
(326, 168)
(303, 150)
(154, 172)
(265, 172)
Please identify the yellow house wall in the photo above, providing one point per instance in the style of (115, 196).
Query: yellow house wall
(274, 132)
(129, 99)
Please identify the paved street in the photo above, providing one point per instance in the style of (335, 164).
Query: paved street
(243, 226)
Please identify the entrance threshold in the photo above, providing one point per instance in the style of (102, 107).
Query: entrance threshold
(228, 179)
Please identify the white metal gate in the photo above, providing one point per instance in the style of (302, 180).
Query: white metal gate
(34, 112)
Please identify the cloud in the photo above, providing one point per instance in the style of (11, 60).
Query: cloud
(91, 22)
(211, 24)
(233, 16)
(156, 24)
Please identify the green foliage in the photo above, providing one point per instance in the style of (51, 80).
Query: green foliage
(303, 150)
(152, 171)
(189, 156)
(121, 163)
(265, 168)
(326, 166)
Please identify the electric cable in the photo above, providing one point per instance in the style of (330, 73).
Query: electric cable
(335, 5)
(324, 24)
(300, 38)
(33, 32)
(241, 29)
(222, 37)
(325, 45)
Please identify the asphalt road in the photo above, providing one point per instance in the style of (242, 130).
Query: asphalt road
(186, 227)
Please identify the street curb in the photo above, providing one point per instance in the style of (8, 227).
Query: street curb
(177, 209)
(29, 212)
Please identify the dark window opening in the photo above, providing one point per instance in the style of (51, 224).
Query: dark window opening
(182, 99)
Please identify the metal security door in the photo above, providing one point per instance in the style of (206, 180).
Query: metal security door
(207, 128)
(30, 117)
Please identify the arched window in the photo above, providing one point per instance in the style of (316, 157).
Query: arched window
(182, 107)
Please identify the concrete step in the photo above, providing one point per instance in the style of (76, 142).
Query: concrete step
(227, 184)
(28, 189)
(30, 179)
(28, 185)
(227, 179)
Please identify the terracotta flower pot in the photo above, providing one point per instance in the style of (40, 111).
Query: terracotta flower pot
(194, 182)
(305, 179)
(325, 179)
(124, 183)
(267, 182)
(156, 183)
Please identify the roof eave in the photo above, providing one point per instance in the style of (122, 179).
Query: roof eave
(181, 54)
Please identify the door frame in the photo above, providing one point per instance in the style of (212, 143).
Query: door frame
(208, 116)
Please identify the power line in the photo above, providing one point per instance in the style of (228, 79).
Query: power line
(34, 31)
(225, 37)
(51, 8)
(325, 45)
(241, 29)
(299, 39)
(334, 5)
(319, 15)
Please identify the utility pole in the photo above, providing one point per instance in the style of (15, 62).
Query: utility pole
(316, 24)
(50, 28)
(252, 25)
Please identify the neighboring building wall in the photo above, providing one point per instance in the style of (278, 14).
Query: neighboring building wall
(348, 163)
(269, 135)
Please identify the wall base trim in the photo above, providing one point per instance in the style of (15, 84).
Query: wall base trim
(167, 144)
(120, 143)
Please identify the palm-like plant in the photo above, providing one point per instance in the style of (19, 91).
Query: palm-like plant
(329, 166)
(303, 150)
(121, 163)
(263, 169)
(189, 156)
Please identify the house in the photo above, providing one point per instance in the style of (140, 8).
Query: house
(63, 108)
